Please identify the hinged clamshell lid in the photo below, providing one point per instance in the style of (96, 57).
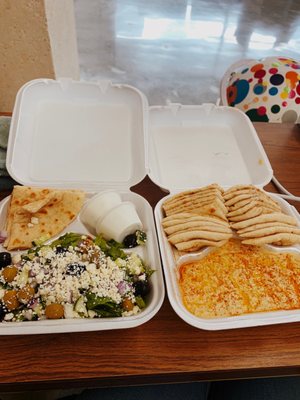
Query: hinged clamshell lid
(192, 146)
(73, 134)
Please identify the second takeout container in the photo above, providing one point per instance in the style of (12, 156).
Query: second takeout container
(90, 136)
(194, 146)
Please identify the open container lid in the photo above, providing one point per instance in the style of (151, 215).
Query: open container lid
(193, 146)
(73, 134)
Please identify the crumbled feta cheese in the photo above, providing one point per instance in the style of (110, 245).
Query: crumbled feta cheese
(134, 311)
(28, 314)
(9, 316)
(134, 264)
(142, 277)
(91, 268)
(16, 258)
(92, 314)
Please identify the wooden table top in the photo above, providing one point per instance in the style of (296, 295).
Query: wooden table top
(165, 349)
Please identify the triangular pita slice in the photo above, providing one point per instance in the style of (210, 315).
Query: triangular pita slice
(35, 213)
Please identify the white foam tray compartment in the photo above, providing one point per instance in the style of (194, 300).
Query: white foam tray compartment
(171, 265)
(149, 253)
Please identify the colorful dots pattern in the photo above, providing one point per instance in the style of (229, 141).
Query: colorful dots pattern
(277, 79)
(260, 73)
(266, 89)
(273, 71)
(275, 109)
(261, 110)
(273, 91)
(259, 89)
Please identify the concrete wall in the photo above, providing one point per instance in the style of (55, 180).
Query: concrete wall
(37, 40)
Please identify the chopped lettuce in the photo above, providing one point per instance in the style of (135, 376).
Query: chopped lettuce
(103, 306)
(111, 248)
(69, 239)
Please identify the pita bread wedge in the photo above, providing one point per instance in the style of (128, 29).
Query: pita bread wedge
(35, 206)
(268, 202)
(236, 188)
(37, 212)
(255, 193)
(270, 231)
(22, 195)
(240, 204)
(192, 225)
(253, 212)
(212, 209)
(278, 237)
(236, 199)
(284, 242)
(198, 234)
(213, 200)
(189, 217)
(268, 206)
(273, 217)
(194, 204)
(242, 210)
(191, 198)
(230, 195)
(182, 215)
(264, 225)
(195, 245)
(206, 189)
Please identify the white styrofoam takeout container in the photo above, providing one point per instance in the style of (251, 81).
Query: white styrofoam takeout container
(194, 146)
(90, 136)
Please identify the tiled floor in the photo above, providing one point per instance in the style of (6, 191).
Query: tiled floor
(178, 50)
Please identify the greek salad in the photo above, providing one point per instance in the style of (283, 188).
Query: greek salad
(75, 276)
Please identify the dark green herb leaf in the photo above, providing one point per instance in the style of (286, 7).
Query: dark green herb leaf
(140, 302)
(111, 248)
(103, 306)
(69, 239)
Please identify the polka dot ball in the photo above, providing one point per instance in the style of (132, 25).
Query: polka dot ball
(266, 90)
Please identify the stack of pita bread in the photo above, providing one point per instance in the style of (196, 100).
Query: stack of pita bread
(196, 218)
(209, 216)
(245, 202)
(206, 201)
(258, 219)
(34, 213)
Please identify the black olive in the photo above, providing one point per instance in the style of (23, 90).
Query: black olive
(3, 311)
(141, 288)
(5, 259)
(75, 269)
(130, 241)
(60, 250)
